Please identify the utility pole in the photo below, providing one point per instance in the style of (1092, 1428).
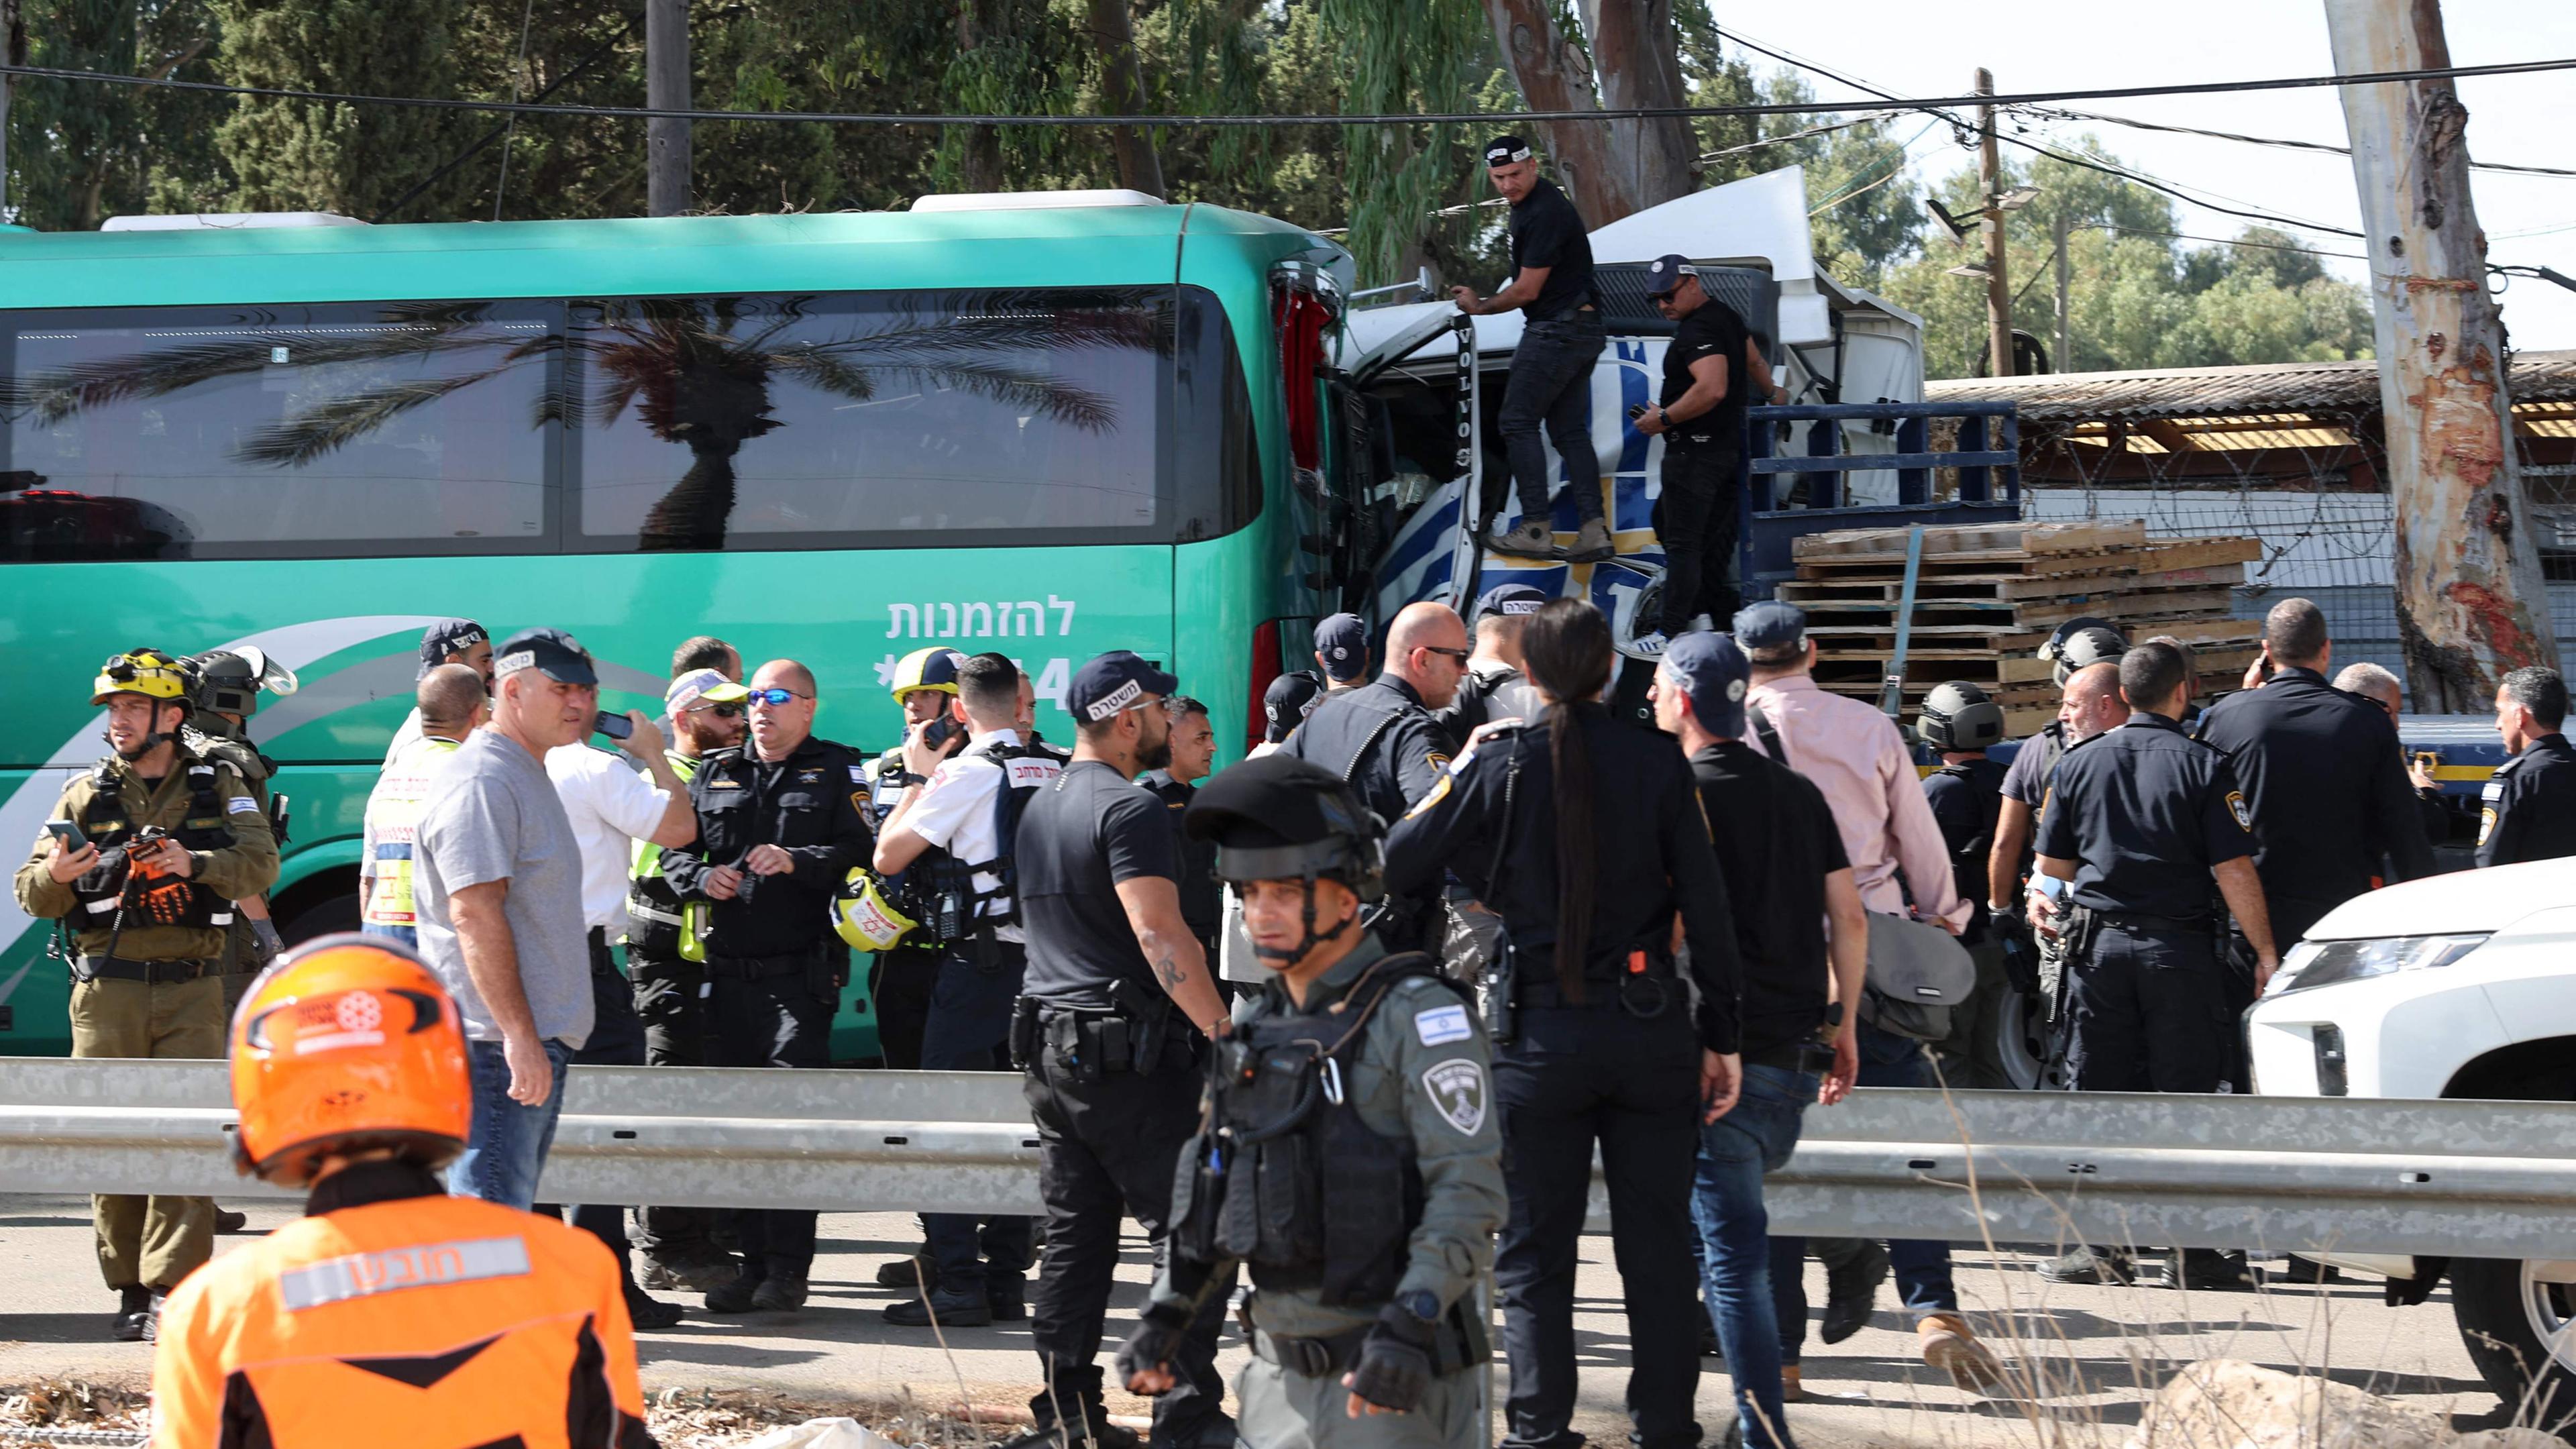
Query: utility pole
(2065, 360)
(2470, 602)
(666, 88)
(1999, 342)
(13, 49)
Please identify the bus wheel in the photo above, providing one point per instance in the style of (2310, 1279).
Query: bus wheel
(324, 916)
(2518, 1319)
(2017, 1039)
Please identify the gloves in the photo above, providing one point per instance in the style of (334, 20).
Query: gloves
(1394, 1370)
(271, 945)
(1156, 1344)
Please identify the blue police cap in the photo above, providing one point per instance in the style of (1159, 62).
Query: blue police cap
(1509, 599)
(1665, 273)
(1113, 683)
(1343, 641)
(1770, 625)
(1716, 674)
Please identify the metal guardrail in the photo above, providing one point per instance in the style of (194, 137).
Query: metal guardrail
(2474, 1179)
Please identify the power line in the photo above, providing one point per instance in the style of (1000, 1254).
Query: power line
(1192, 122)
(2282, 142)
(2152, 184)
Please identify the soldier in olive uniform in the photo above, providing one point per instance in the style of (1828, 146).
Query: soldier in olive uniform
(225, 685)
(1364, 1080)
(145, 855)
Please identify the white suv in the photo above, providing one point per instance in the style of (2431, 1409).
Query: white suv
(2459, 985)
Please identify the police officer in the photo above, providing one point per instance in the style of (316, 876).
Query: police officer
(900, 979)
(666, 958)
(327, 1330)
(2323, 776)
(1712, 370)
(224, 691)
(1597, 1037)
(2138, 821)
(145, 855)
(449, 641)
(778, 829)
(1562, 334)
(1364, 1330)
(1284, 706)
(2076, 646)
(954, 837)
(2530, 804)
(1115, 984)
(1494, 686)
(1381, 737)
(1960, 722)
(1342, 650)
(1176, 785)
(452, 703)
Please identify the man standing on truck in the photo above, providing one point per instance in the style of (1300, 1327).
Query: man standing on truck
(1561, 337)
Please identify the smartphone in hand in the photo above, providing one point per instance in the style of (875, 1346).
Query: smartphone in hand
(940, 731)
(615, 726)
(68, 833)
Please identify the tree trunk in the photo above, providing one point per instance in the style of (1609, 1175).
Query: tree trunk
(2470, 602)
(666, 88)
(979, 158)
(1637, 50)
(1549, 69)
(1122, 93)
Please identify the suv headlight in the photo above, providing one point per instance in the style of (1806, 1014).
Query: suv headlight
(2324, 963)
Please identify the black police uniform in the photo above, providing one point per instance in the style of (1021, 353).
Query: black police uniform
(1112, 1086)
(1695, 508)
(2530, 805)
(774, 967)
(1382, 739)
(1488, 691)
(2327, 788)
(1966, 800)
(2146, 812)
(899, 981)
(1202, 901)
(1619, 1067)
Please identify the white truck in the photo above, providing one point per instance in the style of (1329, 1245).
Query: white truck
(2457, 985)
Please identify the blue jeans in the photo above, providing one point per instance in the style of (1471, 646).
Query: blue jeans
(1755, 1137)
(408, 935)
(1923, 1282)
(1551, 384)
(505, 1148)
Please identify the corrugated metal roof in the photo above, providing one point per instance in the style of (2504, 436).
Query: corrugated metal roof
(2200, 392)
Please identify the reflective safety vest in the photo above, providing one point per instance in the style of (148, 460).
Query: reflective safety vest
(417, 1323)
(658, 922)
(393, 817)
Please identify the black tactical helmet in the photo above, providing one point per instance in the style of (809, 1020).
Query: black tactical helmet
(2081, 643)
(1282, 818)
(1959, 716)
(230, 681)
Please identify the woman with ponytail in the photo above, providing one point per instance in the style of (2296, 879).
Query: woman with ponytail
(1585, 833)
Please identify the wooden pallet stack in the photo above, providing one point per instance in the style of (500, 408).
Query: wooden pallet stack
(1986, 596)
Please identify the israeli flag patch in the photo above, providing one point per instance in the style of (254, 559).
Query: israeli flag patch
(1441, 1025)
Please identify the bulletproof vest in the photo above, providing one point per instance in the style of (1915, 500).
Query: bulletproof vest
(1973, 852)
(153, 900)
(654, 912)
(1284, 1176)
(953, 907)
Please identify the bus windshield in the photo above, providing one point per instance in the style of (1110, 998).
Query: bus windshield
(819, 420)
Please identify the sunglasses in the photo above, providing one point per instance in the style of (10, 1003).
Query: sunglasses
(729, 709)
(773, 697)
(1461, 655)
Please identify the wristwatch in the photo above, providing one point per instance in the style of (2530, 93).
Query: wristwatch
(1422, 1303)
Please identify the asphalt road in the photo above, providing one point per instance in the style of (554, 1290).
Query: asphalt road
(2093, 1353)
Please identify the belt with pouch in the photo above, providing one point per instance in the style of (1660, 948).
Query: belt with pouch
(1457, 1342)
(1312, 1358)
(1646, 987)
(153, 973)
(2141, 923)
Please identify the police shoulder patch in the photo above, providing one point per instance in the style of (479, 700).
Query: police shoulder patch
(858, 774)
(1442, 1024)
(2236, 807)
(2486, 824)
(1439, 791)
(1458, 1093)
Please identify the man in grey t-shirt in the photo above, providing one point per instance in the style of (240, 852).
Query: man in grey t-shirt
(496, 873)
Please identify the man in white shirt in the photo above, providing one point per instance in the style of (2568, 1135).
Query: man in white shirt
(965, 817)
(611, 807)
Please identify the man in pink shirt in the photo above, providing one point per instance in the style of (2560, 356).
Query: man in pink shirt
(1857, 758)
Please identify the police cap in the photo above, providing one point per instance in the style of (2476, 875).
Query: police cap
(1112, 684)
(1715, 674)
(1509, 599)
(1770, 625)
(1282, 818)
(1504, 150)
(1664, 275)
(445, 639)
(1343, 643)
(551, 652)
(1287, 702)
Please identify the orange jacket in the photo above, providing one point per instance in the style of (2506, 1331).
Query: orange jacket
(416, 1323)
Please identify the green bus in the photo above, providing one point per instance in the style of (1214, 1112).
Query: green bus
(1047, 426)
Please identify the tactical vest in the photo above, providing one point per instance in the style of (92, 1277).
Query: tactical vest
(658, 922)
(1971, 856)
(1284, 1176)
(111, 888)
(953, 908)
(395, 817)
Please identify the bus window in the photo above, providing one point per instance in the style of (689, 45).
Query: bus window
(880, 418)
(276, 431)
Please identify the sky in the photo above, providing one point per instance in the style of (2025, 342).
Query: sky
(1914, 49)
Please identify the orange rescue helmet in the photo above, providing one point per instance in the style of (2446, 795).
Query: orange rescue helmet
(347, 1043)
